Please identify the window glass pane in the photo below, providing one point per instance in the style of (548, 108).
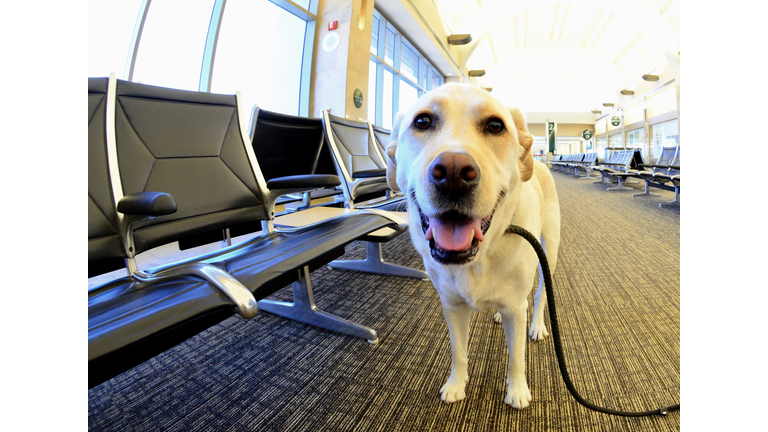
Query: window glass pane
(386, 100)
(372, 92)
(423, 77)
(602, 143)
(267, 74)
(171, 49)
(302, 3)
(110, 28)
(375, 35)
(409, 61)
(408, 95)
(615, 141)
(436, 80)
(664, 135)
(390, 54)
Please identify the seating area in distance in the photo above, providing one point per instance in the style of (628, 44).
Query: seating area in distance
(622, 166)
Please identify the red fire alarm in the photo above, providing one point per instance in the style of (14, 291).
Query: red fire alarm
(333, 25)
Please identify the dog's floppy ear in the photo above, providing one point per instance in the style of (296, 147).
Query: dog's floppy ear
(526, 142)
(391, 148)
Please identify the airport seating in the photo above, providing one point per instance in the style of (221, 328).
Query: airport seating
(165, 164)
(291, 145)
(617, 166)
(380, 137)
(362, 169)
(664, 174)
(588, 164)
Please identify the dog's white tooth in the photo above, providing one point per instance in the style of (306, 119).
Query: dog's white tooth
(472, 234)
(434, 233)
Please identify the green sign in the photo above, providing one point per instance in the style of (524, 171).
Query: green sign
(587, 134)
(551, 126)
(358, 98)
(615, 120)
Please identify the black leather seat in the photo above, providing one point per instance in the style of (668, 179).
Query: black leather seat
(291, 145)
(362, 170)
(178, 164)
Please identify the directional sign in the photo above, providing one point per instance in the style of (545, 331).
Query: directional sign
(587, 134)
(551, 136)
(615, 120)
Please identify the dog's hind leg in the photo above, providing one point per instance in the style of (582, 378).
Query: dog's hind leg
(457, 317)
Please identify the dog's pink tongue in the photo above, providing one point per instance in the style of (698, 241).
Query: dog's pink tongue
(452, 235)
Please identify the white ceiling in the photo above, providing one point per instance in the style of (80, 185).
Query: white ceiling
(558, 56)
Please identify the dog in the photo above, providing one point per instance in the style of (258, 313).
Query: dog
(464, 162)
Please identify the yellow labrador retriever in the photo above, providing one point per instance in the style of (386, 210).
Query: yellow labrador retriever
(464, 160)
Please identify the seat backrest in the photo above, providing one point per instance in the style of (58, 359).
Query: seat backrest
(354, 151)
(667, 154)
(191, 145)
(381, 139)
(105, 251)
(285, 145)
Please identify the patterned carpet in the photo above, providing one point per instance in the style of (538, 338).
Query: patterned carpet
(617, 288)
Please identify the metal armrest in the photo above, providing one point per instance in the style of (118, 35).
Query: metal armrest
(137, 208)
(237, 293)
(381, 172)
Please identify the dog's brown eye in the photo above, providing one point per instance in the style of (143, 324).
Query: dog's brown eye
(423, 121)
(495, 126)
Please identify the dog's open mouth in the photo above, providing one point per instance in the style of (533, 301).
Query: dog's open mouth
(454, 237)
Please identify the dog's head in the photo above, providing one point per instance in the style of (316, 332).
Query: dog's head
(457, 153)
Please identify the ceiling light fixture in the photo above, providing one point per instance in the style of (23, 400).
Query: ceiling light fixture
(626, 92)
(459, 39)
(651, 78)
(596, 111)
(608, 105)
(476, 73)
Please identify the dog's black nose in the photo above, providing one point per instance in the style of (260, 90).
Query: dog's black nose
(454, 173)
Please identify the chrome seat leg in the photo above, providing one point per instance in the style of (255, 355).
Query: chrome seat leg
(303, 309)
(373, 263)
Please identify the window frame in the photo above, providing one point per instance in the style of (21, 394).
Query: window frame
(209, 53)
(424, 68)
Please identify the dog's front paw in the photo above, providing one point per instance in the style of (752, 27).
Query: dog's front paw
(497, 317)
(538, 330)
(518, 394)
(453, 390)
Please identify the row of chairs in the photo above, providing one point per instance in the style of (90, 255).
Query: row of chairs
(167, 165)
(574, 162)
(628, 163)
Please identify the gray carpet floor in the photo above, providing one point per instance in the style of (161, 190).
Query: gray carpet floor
(617, 289)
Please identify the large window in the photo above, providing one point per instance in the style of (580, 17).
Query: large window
(172, 43)
(110, 27)
(664, 135)
(268, 73)
(398, 75)
(252, 46)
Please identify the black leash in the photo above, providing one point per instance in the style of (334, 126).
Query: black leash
(512, 229)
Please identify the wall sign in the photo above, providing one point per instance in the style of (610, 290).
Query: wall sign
(551, 129)
(615, 120)
(358, 98)
(330, 42)
(587, 134)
